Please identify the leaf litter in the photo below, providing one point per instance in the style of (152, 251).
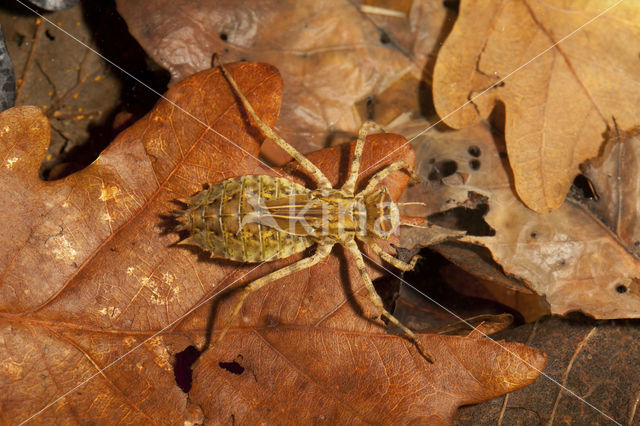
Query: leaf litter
(109, 278)
(385, 108)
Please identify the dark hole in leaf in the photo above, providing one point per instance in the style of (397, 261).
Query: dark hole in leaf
(533, 235)
(182, 367)
(370, 106)
(466, 219)
(232, 367)
(452, 5)
(49, 35)
(474, 151)
(583, 188)
(384, 38)
(19, 39)
(224, 36)
(442, 169)
(621, 289)
(474, 164)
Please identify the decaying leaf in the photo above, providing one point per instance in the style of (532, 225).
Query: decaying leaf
(7, 76)
(615, 178)
(596, 360)
(567, 256)
(558, 102)
(331, 53)
(92, 279)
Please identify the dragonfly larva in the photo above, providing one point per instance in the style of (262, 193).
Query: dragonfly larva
(257, 218)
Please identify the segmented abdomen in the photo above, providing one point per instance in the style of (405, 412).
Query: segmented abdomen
(226, 220)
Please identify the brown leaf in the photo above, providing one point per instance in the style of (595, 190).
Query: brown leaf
(567, 256)
(92, 280)
(615, 178)
(331, 53)
(557, 105)
(595, 361)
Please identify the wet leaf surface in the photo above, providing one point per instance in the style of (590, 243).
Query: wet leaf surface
(54, 4)
(594, 360)
(86, 100)
(7, 77)
(557, 106)
(92, 278)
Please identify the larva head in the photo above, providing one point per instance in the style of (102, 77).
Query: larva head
(383, 216)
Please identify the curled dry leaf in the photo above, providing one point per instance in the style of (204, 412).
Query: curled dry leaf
(92, 278)
(568, 256)
(558, 103)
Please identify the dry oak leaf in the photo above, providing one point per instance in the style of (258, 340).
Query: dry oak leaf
(330, 53)
(558, 104)
(91, 278)
(568, 256)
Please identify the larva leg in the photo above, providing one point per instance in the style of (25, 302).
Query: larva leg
(268, 132)
(375, 298)
(403, 266)
(321, 252)
(379, 177)
(350, 184)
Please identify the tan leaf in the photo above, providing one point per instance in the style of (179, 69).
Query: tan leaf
(568, 256)
(558, 102)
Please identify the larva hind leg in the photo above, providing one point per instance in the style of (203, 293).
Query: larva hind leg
(375, 298)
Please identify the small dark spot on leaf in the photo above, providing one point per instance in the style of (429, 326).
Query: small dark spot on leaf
(474, 151)
(226, 50)
(49, 35)
(113, 249)
(182, 367)
(384, 38)
(232, 367)
(19, 38)
(533, 235)
(474, 164)
(224, 36)
(636, 243)
(442, 169)
(621, 289)
(500, 84)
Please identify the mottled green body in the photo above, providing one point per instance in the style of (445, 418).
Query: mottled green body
(263, 218)
(225, 219)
